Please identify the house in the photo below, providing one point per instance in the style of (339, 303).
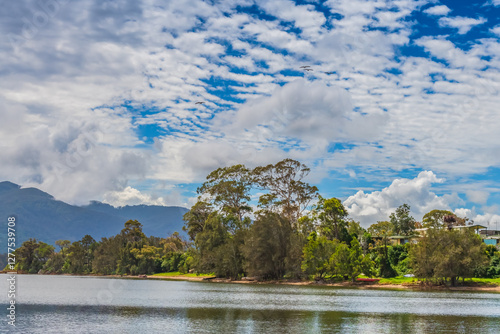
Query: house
(490, 237)
(403, 239)
(474, 227)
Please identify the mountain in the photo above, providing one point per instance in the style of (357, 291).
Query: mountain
(39, 215)
(156, 220)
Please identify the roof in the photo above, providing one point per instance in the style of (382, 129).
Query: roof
(471, 226)
(403, 236)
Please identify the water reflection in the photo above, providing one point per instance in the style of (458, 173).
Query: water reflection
(109, 319)
(57, 304)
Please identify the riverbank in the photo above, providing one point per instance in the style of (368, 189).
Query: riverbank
(396, 283)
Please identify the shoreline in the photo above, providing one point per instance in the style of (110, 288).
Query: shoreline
(357, 285)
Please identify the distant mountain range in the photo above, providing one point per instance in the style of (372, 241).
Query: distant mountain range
(42, 217)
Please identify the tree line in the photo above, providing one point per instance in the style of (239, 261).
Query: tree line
(130, 252)
(292, 232)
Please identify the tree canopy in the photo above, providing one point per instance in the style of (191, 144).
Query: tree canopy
(402, 222)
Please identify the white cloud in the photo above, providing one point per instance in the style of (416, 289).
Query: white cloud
(131, 196)
(496, 30)
(303, 16)
(93, 57)
(490, 220)
(463, 24)
(300, 109)
(478, 196)
(368, 208)
(437, 10)
(166, 196)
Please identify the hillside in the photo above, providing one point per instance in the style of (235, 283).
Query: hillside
(42, 217)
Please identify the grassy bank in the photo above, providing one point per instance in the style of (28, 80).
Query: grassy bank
(401, 281)
(414, 281)
(179, 274)
(398, 280)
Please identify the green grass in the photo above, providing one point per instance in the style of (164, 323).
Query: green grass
(414, 280)
(495, 281)
(176, 273)
(398, 280)
(383, 281)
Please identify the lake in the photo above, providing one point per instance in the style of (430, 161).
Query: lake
(69, 304)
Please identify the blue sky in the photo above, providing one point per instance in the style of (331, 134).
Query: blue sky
(399, 105)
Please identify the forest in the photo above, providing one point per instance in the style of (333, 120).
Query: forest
(269, 224)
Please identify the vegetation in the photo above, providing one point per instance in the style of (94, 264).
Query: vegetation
(293, 232)
(401, 221)
(447, 254)
(128, 253)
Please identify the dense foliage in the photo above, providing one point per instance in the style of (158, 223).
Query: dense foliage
(447, 254)
(292, 232)
(129, 252)
(286, 236)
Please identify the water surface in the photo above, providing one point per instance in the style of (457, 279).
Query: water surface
(68, 304)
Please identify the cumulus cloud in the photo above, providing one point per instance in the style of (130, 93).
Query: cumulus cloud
(488, 219)
(463, 24)
(440, 10)
(128, 73)
(496, 30)
(297, 110)
(158, 195)
(131, 196)
(303, 114)
(368, 208)
(478, 196)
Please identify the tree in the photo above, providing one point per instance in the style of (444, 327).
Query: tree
(132, 233)
(88, 244)
(54, 264)
(288, 194)
(449, 221)
(174, 244)
(267, 246)
(196, 218)
(332, 216)
(131, 237)
(63, 244)
(383, 230)
(218, 240)
(401, 221)
(398, 258)
(351, 262)
(79, 256)
(447, 254)
(316, 255)
(444, 218)
(229, 189)
(354, 229)
(107, 254)
(148, 260)
(306, 225)
(216, 248)
(75, 259)
(174, 249)
(434, 218)
(32, 255)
